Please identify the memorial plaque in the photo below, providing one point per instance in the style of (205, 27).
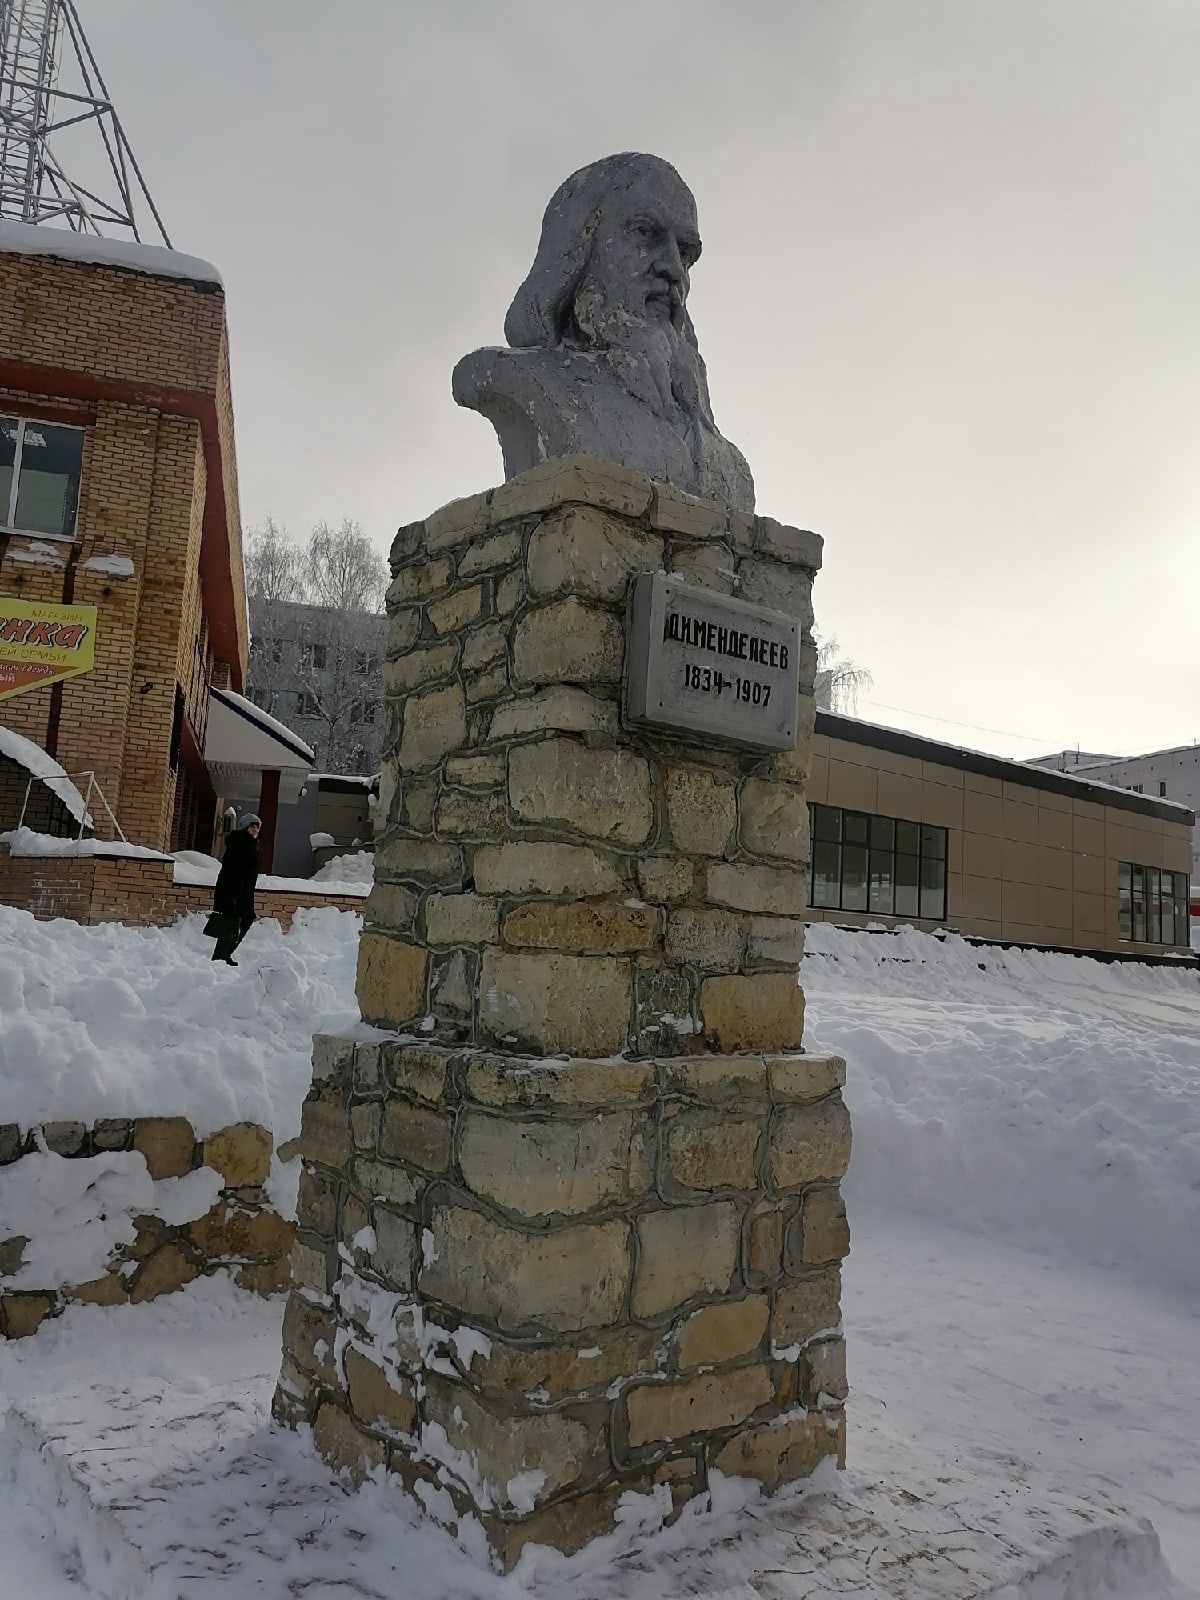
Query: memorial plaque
(707, 663)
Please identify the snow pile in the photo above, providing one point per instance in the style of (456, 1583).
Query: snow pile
(194, 868)
(39, 553)
(114, 1021)
(75, 1213)
(199, 860)
(358, 866)
(1053, 1099)
(113, 566)
(25, 842)
(35, 760)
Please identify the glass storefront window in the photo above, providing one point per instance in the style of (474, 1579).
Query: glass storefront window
(877, 864)
(1152, 905)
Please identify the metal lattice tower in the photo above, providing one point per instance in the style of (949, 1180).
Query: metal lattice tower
(35, 185)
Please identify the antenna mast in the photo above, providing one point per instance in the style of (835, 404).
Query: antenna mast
(35, 185)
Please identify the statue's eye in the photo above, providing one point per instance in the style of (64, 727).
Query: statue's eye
(644, 229)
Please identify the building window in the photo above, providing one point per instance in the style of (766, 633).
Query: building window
(1162, 787)
(1136, 787)
(306, 704)
(877, 864)
(1152, 905)
(366, 663)
(315, 656)
(40, 468)
(363, 711)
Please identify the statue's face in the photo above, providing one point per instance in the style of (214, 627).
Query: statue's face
(645, 246)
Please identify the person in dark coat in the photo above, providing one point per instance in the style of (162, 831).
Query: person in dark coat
(233, 897)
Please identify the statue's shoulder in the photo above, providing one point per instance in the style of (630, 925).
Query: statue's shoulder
(497, 371)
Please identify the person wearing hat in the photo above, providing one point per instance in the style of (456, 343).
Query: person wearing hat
(233, 896)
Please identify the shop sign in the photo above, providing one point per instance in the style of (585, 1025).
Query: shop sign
(41, 644)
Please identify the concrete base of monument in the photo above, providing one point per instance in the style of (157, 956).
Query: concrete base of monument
(537, 1284)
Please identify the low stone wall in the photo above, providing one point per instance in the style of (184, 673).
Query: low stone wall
(132, 889)
(241, 1231)
(539, 1284)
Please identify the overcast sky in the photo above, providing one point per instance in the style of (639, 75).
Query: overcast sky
(948, 297)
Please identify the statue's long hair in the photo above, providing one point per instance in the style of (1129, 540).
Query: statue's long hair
(543, 310)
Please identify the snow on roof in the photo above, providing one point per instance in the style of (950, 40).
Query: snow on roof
(1146, 755)
(263, 720)
(355, 779)
(21, 238)
(1022, 771)
(1068, 760)
(43, 767)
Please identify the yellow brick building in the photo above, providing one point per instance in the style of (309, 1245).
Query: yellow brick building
(118, 489)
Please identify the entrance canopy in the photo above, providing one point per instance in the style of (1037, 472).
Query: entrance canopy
(243, 742)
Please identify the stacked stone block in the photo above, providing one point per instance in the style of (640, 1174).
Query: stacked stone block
(576, 1231)
(540, 1284)
(548, 878)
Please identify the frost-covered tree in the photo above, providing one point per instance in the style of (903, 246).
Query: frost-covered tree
(839, 679)
(340, 660)
(319, 633)
(272, 563)
(342, 569)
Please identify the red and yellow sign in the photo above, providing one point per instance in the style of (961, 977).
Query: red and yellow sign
(43, 644)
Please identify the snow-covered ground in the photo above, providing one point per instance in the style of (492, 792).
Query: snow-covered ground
(1022, 1312)
(126, 1022)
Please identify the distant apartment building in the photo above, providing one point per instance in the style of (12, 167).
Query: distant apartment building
(1172, 774)
(319, 671)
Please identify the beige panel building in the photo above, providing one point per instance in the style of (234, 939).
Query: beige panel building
(909, 831)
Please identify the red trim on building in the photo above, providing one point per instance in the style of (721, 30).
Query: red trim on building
(216, 580)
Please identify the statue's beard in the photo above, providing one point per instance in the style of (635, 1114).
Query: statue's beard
(654, 357)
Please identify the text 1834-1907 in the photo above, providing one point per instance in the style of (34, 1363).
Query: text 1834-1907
(709, 680)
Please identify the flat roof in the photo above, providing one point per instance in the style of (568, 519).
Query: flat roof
(899, 742)
(1146, 755)
(23, 238)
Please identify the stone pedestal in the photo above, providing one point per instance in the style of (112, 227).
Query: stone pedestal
(575, 1229)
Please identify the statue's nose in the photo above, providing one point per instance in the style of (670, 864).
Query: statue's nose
(670, 262)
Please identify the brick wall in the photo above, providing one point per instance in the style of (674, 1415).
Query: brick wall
(110, 321)
(131, 889)
(43, 810)
(140, 363)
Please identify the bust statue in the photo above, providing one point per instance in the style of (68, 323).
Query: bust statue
(601, 355)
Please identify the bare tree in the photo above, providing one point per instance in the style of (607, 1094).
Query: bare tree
(272, 563)
(317, 652)
(839, 679)
(341, 657)
(342, 569)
